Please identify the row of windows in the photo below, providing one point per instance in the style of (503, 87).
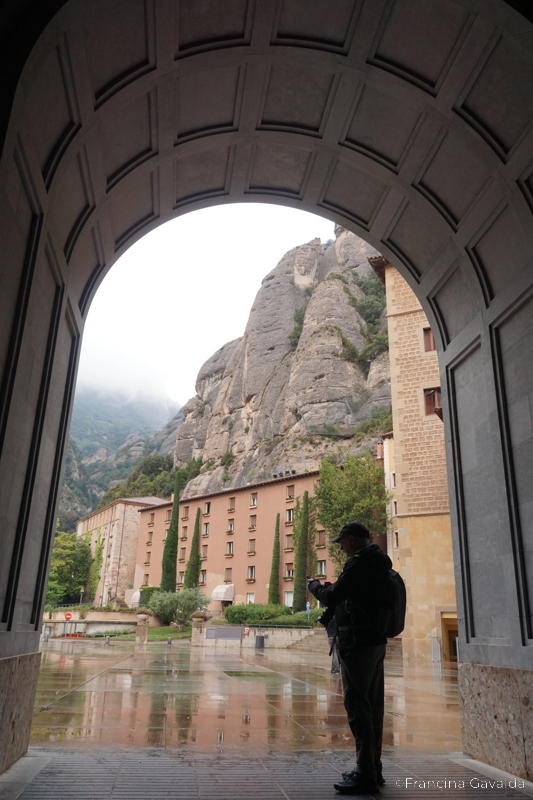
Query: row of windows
(228, 574)
(289, 545)
(231, 504)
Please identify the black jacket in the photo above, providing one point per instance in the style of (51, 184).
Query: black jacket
(361, 588)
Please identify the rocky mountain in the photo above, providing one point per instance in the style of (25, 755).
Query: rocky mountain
(109, 434)
(309, 376)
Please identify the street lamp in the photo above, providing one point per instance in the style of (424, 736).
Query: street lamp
(81, 594)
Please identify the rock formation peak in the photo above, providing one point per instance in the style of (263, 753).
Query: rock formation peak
(293, 388)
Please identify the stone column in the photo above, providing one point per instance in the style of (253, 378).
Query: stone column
(199, 618)
(141, 637)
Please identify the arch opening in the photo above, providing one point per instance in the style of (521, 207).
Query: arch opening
(407, 123)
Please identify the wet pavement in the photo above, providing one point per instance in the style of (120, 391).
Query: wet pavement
(175, 696)
(176, 722)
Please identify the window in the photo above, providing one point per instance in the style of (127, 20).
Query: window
(289, 570)
(231, 525)
(289, 541)
(289, 516)
(184, 532)
(321, 538)
(203, 576)
(207, 508)
(393, 480)
(150, 535)
(165, 536)
(182, 553)
(394, 508)
(169, 515)
(206, 529)
(146, 580)
(288, 599)
(251, 573)
(253, 522)
(152, 517)
(229, 548)
(228, 574)
(231, 504)
(251, 545)
(429, 341)
(148, 557)
(431, 400)
(250, 598)
(322, 569)
(396, 542)
(204, 550)
(290, 492)
(181, 577)
(185, 512)
(253, 499)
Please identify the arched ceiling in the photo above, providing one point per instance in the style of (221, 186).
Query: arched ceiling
(407, 121)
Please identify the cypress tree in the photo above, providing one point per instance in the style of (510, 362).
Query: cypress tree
(273, 587)
(192, 572)
(170, 551)
(300, 572)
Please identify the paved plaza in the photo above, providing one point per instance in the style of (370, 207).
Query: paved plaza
(176, 722)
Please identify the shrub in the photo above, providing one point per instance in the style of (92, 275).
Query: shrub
(173, 606)
(241, 614)
(227, 459)
(164, 605)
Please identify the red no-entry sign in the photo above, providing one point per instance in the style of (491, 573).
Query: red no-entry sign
(68, 615)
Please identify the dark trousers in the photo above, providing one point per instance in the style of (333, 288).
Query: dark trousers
(364, 700)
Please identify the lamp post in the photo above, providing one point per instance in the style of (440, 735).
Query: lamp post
(81, 595)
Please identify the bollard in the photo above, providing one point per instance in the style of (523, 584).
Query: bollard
(106, 641)
(169, 640)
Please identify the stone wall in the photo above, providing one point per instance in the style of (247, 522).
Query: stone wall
(496, 719)
(421, 478)
(18, 683)
(421, 544)
(274, 637)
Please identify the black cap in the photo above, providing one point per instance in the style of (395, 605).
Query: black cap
(356, 529)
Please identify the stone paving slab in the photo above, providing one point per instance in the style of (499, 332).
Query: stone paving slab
(175, 775)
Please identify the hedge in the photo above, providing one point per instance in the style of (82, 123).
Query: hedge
(241, 614)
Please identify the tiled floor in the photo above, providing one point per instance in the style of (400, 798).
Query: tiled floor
(179, 723)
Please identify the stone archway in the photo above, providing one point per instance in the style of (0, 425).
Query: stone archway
(408, 122)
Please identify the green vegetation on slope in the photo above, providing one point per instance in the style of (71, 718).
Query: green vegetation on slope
(155, 476)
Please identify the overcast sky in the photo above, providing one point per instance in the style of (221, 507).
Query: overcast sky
(182, 292)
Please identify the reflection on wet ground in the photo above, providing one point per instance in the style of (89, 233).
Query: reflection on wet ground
(176, 697)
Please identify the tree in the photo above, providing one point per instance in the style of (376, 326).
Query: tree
(177, 607)
(170, 552)
(164, 605)
(353, 492)
(69, 568)
(300, 572)
(273, 586)
(189, 601)
(192, 572)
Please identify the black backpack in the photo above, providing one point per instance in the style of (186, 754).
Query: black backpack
(387, 620)
(391, 621)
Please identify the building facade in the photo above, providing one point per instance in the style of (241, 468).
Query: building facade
(236, 540)
(113, 533)
(420, 543)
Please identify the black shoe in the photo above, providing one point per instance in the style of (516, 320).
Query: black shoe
(380, 780)
(357, 784)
